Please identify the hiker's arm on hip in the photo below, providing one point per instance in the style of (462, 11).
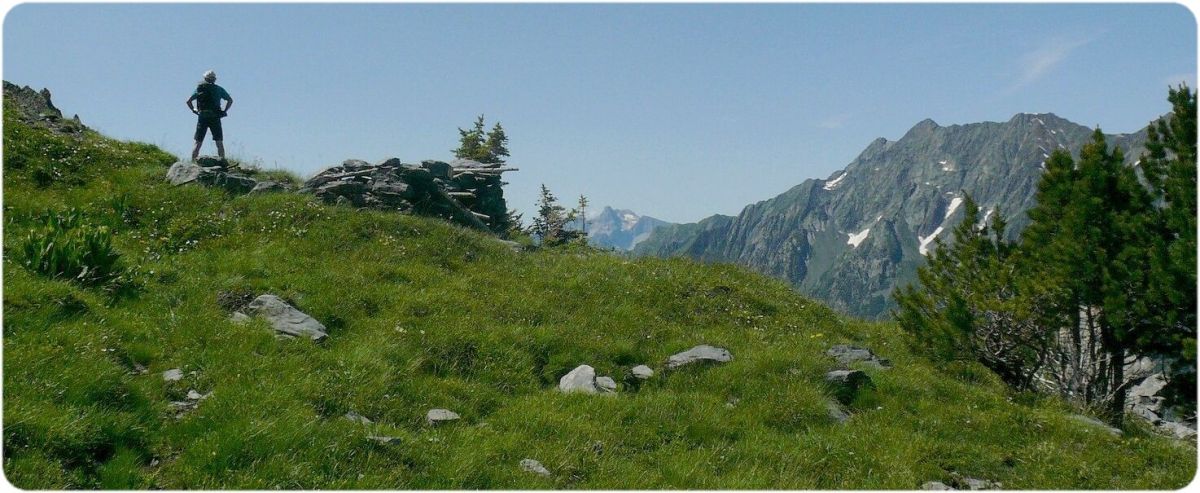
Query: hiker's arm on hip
(189, 104)
(228, 103)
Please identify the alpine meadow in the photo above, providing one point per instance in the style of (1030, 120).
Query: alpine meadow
(993, 305)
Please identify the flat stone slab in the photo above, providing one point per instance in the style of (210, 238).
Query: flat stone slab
(699, 354)
(286, 319)
(581, 379)
(535, 467)
(439, 416)
(173, 375)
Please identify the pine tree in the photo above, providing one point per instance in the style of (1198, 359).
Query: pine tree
(1169, 166)
(485, 147)
(1090, 242)
(969, 305)
(472, 143)
(582, 208)
(496, 145)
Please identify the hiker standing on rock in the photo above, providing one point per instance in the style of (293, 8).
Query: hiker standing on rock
(208, 98)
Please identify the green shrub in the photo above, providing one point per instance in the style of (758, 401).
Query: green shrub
(64, 247)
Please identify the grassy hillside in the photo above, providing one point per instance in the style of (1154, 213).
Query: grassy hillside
(425, 315)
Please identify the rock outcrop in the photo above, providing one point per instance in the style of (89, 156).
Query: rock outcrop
(462, 191)
(36, 108)
(210, 172)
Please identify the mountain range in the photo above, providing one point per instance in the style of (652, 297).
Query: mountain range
(620, 229)
(851, 238)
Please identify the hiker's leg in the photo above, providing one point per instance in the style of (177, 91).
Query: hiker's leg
(218, 137)
(201, 129)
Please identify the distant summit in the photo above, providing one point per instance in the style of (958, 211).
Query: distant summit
(620, 229)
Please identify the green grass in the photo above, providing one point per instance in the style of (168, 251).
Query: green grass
(423, 314)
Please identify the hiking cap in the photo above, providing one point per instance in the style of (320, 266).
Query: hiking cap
(210, 76)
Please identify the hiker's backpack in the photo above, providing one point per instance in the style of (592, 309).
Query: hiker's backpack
(206, 98)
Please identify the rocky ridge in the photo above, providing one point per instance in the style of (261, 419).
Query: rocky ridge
(848, 240)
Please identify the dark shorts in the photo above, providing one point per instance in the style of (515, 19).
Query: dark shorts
(206, 122)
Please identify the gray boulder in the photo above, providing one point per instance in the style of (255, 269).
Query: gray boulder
(535, 467)
(606, 384)
(581, 379)
(217, 176)
(439, 416)
(184, 172)
(642, 372)
(847, 354)
(936, 486)
(699, 354)
(285, 319)
(173, 375)
(846, 383)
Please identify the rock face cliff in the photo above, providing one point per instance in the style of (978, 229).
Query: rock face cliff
(851, 238)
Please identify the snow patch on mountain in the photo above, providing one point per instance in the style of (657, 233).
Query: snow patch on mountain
(832, 184)
(855, 239)
(928, 240)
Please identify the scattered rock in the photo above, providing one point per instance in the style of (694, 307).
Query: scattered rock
(138, 369)
(1144, 401)
(357, 418)
(239, 318)
(699, 354)
(965, 483)
(936, 486)
(438, 416)
(846, 383)
(642, 372)
(173, 375)
(606, 384)
(581, 379)
(847, 354)
(286, 319)
(1097, 423)
(840, 415)
(192, 395)
(732, 402)
(533, 466)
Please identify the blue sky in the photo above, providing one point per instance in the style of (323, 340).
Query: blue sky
(675, 111)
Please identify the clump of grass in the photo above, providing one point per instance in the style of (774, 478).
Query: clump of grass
(62, 247)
